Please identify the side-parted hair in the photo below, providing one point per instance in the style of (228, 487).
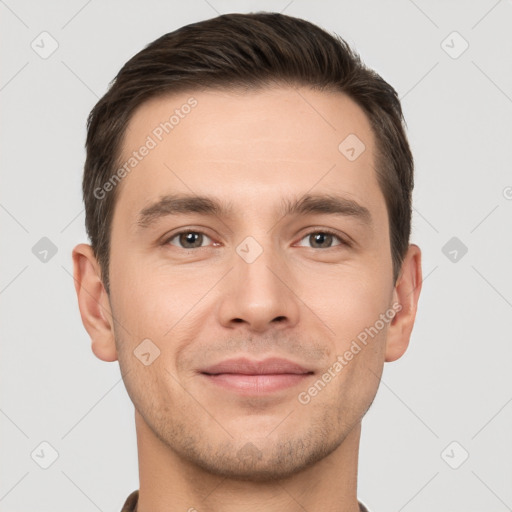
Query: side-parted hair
(246, 51)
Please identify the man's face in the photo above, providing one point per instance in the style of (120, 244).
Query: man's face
(251, 281)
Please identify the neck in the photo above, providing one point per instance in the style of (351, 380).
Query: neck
(169, 483)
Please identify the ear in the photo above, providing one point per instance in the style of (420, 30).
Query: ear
(94, 303)
(406, 293)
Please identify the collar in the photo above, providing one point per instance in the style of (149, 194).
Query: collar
(130, 504)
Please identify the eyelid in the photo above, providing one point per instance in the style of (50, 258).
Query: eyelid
(167, 238)
(344, 240)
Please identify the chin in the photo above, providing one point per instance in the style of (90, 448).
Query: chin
(276, 461)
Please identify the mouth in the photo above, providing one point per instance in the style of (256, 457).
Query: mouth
(256, 377)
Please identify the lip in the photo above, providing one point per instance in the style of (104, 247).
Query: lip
(249, 377)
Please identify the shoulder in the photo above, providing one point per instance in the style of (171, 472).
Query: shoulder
(130, 505)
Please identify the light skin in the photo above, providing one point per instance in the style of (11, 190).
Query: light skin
(305, 298)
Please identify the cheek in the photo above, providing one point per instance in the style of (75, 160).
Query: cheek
(144, 299)
(158, 303)
(348, 300)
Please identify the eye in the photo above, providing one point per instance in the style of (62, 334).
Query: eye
(188, 239)
(323, 239)
(320, 239)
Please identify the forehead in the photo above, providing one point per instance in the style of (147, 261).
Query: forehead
(275, 141)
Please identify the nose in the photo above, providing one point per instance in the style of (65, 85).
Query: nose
(258, 294)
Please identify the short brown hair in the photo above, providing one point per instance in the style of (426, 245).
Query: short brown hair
(248, 51)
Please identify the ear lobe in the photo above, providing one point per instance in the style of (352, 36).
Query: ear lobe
(406, 294)
(93, 303)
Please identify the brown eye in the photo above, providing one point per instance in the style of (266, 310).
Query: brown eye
(189, 239)
(322, 239)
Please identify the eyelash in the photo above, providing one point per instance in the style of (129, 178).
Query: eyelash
(315, 231)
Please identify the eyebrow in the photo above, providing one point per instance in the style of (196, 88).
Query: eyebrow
(175, 204)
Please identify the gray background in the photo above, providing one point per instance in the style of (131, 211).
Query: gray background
(453, 384)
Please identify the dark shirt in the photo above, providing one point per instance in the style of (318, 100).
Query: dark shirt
(131, 503)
